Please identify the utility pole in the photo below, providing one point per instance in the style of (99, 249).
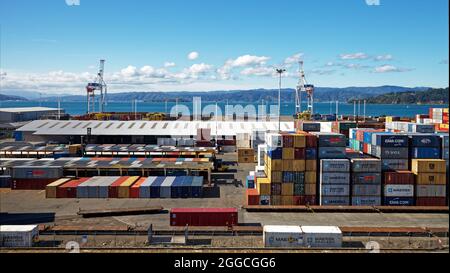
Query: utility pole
(280, 71)
(337, 109)
(364, 110)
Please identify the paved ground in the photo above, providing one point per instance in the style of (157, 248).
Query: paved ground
(32, 206)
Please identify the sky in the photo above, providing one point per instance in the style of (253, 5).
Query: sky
(54, 46)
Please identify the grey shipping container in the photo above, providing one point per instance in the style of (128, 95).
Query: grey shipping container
(144, 189)
(335, 178)
(430, 190)
(103, 186)
(394, 164)
(83, 188)
(41, 172)
(366, 165)
(366, 178)
(331, 140)
(445, 140)
(334, 200)
(392, 152)
(165, 189)
(309, 126)
(366, 200)
(334, 190)
(334, 165)
(331, 152)
(366, 190)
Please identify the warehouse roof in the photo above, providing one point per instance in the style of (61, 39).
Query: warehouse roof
(27, 109)
(156, 128)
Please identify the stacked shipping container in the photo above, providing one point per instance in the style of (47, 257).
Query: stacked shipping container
(334, 182)
(430, 181)
(366, 181)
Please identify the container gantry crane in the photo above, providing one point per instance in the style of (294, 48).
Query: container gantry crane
(98, 85)
(308, 89)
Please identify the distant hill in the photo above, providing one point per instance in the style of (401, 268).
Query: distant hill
(322, 94)
(11, 98)
(430, 96)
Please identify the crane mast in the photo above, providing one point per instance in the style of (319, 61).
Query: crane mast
(308, 89)
(100, 86)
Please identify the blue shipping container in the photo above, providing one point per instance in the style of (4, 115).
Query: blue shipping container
(310, 153)
(155, 187)
(398, 201)
(391, 140)
(186, 187)
(429, 140)
(425, 153)
(197, 187)
(275, 153)
(175, 188)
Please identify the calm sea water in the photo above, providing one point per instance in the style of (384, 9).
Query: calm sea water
(77, 108)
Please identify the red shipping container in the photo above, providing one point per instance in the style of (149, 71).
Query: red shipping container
(252, 197)
(431, 201)
(288, 141)
(299, 153)
(113, 190)
(69, 190)
(203, 217)
(304, 200)
(134, 190)
(399, 177)
(31, 184)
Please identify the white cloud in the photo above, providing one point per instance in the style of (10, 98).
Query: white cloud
(390, 68)
(354, 56)
(330, 64)
(294, 58)
(247, 60)
(129, 71)
(258, 71)
(386, 57)
(193, 55)
(169, 64)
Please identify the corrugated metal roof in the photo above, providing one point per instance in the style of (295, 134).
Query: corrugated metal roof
(27, 109)
(156, 128)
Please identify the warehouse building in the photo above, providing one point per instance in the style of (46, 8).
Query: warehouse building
(138, 132)
(8, 115)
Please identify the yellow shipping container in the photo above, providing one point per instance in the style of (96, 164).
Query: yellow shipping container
(299, 141)
(431, 178)
(389, 119)
(263, 186)
(246, 152)
(311, 165)
(124, 188)
(288, 154)
(246, 159)
(445, 110)
(288, 165)
(287, 189)
(287, 200)
(310, 177)
(276, 176)
(310, 189)
(427, 166)
(299, 166)
(50, 189)
(275, 164)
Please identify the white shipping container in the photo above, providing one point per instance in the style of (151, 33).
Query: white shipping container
(274, 140)
(394, 190)
(283, 236)
(322, 236)
(18, 236)
(325, 127)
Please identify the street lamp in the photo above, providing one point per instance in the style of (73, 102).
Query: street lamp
(280, 71)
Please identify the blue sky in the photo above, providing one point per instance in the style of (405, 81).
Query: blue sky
(49, 46)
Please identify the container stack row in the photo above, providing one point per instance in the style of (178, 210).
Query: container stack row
(127, 187)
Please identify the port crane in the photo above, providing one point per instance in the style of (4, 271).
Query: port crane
(98, 85)
(308, 89)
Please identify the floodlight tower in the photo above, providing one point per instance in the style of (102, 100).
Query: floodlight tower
(303, 86)
(280, 71)
(100, 85)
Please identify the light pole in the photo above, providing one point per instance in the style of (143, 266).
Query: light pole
(280, 71)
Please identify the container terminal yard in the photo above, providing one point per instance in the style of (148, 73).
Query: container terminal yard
(304, 184)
